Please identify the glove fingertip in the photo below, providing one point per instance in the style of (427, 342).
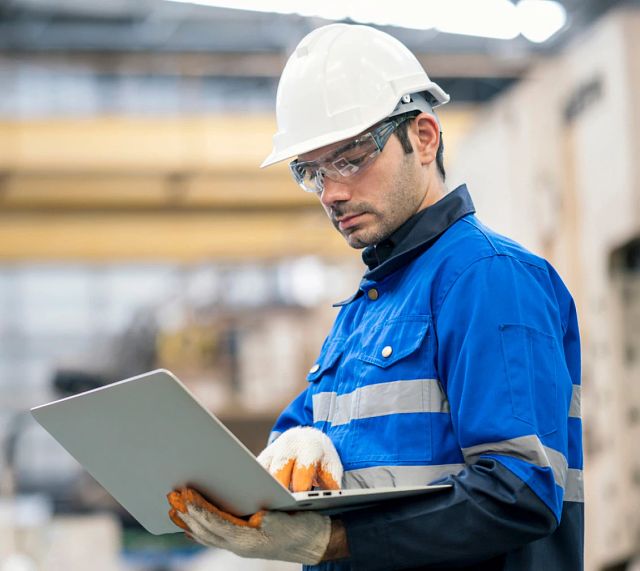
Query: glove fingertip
(303, 477)
(176, 501)
(284, 473)
(256, 519)
(191, 496)
(176, 519)
(329, 479)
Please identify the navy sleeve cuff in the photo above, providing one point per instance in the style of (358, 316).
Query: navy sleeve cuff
(488, 512)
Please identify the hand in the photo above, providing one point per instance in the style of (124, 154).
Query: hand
(301, 537)
(301, 458)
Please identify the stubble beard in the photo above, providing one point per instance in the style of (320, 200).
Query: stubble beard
(403, 203)
(359, 238)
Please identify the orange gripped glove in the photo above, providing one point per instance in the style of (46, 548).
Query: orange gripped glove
(301, 537)
(302, 458)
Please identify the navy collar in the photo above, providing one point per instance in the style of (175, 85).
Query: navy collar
(415, 236)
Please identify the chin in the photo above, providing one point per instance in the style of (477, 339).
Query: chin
(357, 242)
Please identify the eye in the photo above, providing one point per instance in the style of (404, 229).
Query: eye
(308, 171)
(356, 161)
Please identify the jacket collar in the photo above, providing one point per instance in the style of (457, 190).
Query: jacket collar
(415, 236)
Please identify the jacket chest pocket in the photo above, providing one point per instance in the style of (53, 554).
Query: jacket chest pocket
(396, 395)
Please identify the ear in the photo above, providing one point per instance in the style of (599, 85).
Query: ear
(426, 137)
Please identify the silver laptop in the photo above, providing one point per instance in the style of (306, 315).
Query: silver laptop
(143, 437)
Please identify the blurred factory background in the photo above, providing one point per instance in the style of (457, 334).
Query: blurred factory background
(136, 230)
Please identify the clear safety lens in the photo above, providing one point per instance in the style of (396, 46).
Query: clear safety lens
(308, 175)
(344, 162)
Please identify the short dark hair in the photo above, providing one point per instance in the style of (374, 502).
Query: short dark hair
(407, 147)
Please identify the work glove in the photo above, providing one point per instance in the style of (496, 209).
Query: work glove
(301, 458)
(300, 537)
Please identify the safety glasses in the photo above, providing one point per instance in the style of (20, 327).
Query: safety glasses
(351, 159)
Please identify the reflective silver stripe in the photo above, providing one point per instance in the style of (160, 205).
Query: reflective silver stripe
(395, 397)
(379, 476)
(574, 490)
(575, 409)
(273, 436)
(527, 448)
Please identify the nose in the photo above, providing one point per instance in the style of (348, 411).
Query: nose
(334, 192)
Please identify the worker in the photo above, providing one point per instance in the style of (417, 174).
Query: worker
(456, 361)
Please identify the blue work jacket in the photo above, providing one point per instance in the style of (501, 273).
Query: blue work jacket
(460, 365)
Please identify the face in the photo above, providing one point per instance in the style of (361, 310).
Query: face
(368, 207)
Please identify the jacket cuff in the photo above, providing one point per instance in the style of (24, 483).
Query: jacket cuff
(360, 536)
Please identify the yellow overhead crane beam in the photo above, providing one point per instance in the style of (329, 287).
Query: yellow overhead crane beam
(136, 143)
(152, 190)
(187, 237)
(179, 189)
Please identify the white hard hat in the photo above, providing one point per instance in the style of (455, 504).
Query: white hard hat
(340, 80)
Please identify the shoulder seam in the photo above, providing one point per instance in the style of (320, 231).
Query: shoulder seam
(508, 254)
(486, 237)
(443, 297)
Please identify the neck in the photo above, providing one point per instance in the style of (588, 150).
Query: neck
(436, 189)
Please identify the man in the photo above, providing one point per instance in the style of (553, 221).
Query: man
(457, 360)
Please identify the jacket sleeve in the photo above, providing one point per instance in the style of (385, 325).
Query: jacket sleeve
(502, 366)
(298, 413)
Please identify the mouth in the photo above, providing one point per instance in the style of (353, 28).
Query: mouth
(346, 222)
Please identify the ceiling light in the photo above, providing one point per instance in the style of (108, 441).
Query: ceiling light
(487, 19)
(538, 20)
